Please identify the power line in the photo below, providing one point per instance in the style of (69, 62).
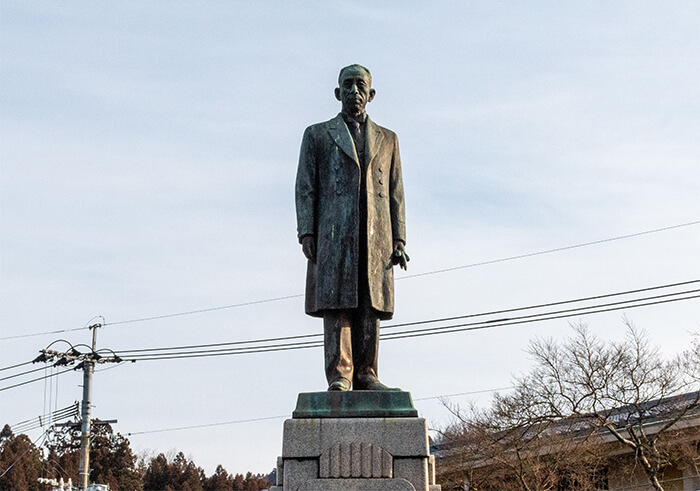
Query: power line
(483, 391)
(587, 310)
(174, 356)
(35, 380)
(267, 418)
(15, 366)
(34, 445)
(406, 324)
(42, 423)
(23, 373)
(472, 265)
(201, 311)
(59, 331)
(445, 270)
(567, 312)
(39, 418)
(467, 327)
(207, 425)
(179, 351)
(518, 320)
(230, 343)
(558, 249)
(110, 368)
(39, 421)
(550, 304)
(403, 334)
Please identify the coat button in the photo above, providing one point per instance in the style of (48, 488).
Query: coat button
(380, 169)
(381, 182)
(338, 191)
(380, 195)
(337, 179)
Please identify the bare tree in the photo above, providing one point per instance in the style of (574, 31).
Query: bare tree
(583, 396)
(624, 388)
(498, 449)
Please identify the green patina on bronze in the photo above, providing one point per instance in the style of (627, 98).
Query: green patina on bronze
(355, 404)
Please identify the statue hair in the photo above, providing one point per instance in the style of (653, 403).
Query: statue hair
(355, 66)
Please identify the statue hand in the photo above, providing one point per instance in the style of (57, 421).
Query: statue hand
(399, 256)
(308, 247)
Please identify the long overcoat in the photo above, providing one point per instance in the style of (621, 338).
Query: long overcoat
(328, 207)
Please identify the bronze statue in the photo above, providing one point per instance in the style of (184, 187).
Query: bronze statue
(350, 223)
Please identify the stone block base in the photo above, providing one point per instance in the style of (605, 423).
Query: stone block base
(356, 454)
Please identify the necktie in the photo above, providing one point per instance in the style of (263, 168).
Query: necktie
(355, 130)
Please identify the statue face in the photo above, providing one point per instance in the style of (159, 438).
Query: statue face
(354, 91)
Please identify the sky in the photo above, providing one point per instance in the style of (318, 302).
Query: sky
(148, 153)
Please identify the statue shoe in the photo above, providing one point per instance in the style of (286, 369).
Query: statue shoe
(372, 383)
(340, 384)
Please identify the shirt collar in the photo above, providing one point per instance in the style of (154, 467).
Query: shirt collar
(362, 119)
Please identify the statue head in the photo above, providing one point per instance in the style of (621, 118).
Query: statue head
(354, 89)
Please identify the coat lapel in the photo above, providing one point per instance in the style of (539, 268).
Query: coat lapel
(374, 139)
(341, 135)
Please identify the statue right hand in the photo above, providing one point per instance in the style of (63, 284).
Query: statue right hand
(308, 247)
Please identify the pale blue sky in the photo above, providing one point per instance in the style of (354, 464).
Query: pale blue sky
(147, 161)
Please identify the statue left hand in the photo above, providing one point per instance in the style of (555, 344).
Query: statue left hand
(399, 256)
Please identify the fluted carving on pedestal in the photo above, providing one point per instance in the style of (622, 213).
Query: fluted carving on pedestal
(356, 459)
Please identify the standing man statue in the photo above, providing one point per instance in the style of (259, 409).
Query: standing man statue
(350, 222)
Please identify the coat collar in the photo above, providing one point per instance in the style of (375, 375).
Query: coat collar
(374, 139)
(341, 135)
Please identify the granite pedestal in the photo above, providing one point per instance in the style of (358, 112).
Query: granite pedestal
(355, 441)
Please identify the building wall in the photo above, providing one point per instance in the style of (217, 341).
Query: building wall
(627, 478)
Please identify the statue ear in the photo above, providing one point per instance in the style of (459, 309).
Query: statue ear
(372, 92)
(337, 93)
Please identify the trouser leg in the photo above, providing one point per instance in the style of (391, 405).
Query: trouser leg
(337, 345)
(365, 341)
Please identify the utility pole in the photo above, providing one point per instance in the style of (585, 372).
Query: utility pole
(88, 361)
(88, 370)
